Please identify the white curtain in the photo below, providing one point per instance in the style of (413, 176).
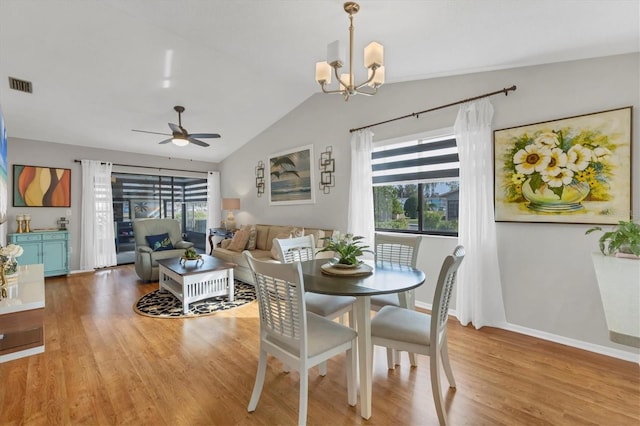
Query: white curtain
(213, 203)
(479, 291)
(98, 247)
(360, 219)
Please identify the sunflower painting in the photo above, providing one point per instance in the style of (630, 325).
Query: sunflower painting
(572, 170)
(35, 186)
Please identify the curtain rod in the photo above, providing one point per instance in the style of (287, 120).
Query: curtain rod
(147, 167)
(506, 91)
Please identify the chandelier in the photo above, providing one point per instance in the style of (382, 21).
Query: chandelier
(373, 54)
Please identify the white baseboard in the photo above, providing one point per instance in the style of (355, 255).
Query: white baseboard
(80, 271)
(591, 347)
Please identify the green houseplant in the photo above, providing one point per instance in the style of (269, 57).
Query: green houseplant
(346, 247)
(625, 238)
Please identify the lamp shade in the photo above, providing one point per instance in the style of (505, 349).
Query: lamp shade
(373, 55)
(335, 54)
(231, 204)
(323, 72)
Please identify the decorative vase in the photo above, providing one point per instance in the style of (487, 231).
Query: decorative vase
(10, 266)
(545, 200)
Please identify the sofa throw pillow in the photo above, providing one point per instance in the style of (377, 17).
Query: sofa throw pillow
(159, 242)
(253, 236)
(239, 241)
(275, 250)
(297, 232)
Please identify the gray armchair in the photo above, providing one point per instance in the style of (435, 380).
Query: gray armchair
(146, 258)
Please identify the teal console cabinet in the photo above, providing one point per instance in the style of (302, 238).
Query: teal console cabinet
(51, 248)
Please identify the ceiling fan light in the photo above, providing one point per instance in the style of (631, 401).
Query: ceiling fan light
(180, 141)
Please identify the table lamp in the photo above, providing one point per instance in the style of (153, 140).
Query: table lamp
(230, 204)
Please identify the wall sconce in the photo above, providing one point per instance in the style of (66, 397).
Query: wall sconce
(230, 204)
(327, 169)
(260, 178)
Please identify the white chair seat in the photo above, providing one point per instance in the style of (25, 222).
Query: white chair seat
(328, 306)
(322, 335)
(402, 324)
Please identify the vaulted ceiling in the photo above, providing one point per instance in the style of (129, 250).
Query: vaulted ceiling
(102, 68)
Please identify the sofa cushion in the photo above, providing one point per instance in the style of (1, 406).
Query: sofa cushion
(159, 242)
(318, 234)
(239, 241)
(275, 250)
(276, 231)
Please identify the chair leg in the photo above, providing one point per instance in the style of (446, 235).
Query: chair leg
(322, 368)
(304, 392)
(257, 387)
(435, 388)
(444, 353)
(412, 359)
(352, 379)
(391, 359)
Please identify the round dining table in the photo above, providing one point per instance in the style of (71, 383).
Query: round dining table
(385, 278)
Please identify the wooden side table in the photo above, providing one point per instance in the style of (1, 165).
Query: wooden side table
(218, 232)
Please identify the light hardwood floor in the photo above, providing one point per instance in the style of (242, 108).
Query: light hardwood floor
(105, 365)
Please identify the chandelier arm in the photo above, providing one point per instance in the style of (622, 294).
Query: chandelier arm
(331, 92)
(373, 74)
(335, 72)
(362, 92)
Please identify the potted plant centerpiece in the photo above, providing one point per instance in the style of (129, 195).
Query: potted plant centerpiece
(623, 241)
(346, 248)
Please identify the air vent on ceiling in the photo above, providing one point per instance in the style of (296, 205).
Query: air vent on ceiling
(20, 85)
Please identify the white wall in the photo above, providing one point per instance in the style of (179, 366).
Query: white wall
(48, 154)
(549, 285)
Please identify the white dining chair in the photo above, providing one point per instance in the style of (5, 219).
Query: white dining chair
(407, 330)
(403, 250)
(301, 249)
(300, 339)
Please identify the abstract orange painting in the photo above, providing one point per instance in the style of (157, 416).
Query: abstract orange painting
(35, 186)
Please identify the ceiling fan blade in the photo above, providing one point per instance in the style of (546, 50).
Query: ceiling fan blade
(153, 133)
(197, 142)
(204, 135)
(166, 141)
(177, 129)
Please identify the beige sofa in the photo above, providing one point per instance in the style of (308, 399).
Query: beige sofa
(264, 235)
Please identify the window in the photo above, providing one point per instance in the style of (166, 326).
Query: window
(416, 185)
(138, 196)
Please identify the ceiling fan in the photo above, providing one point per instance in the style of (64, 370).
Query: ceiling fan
(179, 135)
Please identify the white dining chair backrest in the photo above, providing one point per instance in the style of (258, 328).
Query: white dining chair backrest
(279, 292)
(443, 291)
(301, 249)
(297, 249)
(401, 249)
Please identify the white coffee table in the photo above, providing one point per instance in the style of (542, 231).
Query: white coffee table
(193, 281)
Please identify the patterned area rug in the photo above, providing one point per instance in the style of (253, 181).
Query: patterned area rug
(165, 305)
